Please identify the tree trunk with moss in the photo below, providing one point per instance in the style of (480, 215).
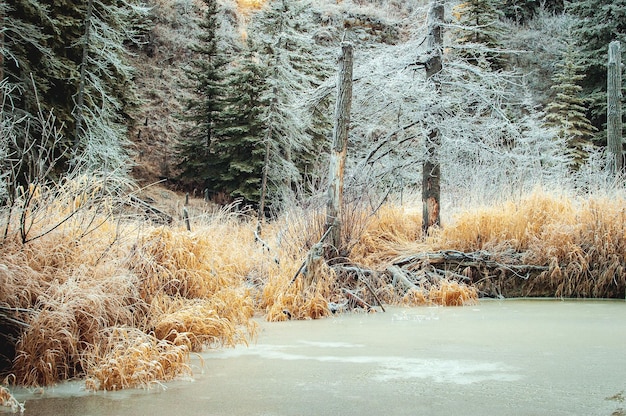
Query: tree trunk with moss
(339, 145)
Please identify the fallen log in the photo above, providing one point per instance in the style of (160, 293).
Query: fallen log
(448, 259)
(399, 277)
(498, 275)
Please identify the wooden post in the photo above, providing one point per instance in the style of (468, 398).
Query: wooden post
(431, 171)
(186, 218)
(614, 107)
(339, 146)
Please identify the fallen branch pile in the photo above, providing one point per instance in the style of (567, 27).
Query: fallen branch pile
(493, 275)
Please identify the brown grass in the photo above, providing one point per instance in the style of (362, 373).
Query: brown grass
(93, 282)
(121, 303)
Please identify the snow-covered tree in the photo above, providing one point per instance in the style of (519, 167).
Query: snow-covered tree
(288, 53)
(105, 90)
(599, 22)
(566, 111)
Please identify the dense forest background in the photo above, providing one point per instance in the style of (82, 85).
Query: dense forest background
(208, 95)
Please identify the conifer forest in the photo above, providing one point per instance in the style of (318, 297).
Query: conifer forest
(173, 171)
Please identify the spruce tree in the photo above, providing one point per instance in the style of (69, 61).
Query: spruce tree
(240, 149)
(293, 69)
(566, 111)
(104, 94)
(521, 11)
(198, 160)
(599, 23)
(481, 33)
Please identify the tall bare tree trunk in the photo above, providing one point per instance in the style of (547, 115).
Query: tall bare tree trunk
(614, 107)
(339, 144)
(431, 171)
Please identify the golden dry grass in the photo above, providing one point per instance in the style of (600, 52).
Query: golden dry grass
(121, 303)
(92, 280)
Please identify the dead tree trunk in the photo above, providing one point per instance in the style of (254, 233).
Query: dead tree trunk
(431, 172)
(339, 145)
(614, 107)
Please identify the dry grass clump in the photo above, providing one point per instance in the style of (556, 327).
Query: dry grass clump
(451, 293)
(300, 300)
(82, 274)
(390, 228)
(445, 293)
(127, 357)
(198, 323)
(516, 223)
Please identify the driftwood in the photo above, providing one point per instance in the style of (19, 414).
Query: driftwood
(312, 255)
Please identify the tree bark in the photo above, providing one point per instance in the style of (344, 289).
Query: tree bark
(431, 172)
(614, 107)
(339, 145)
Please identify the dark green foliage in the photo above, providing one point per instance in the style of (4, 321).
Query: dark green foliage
(199, 163)
(521, 11)
(240, 151)
(482, 32)
(27, 56)
(599, 23)
(566, 111)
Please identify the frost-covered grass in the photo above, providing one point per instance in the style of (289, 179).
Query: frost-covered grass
(111, 298)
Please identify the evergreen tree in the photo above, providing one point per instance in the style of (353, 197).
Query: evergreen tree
(25, 54)
(75, 53)
(566, 111)
(240, 150)
(293, 70)
(480, 38)
(521, 11)
(599, 23)
(198, 160)
(105, 92)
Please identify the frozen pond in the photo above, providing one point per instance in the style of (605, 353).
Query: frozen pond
(511, 357)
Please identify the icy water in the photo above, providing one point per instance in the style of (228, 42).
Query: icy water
(512, 357)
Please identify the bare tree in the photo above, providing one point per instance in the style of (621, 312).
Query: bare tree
(339, 144)
(431, 170)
